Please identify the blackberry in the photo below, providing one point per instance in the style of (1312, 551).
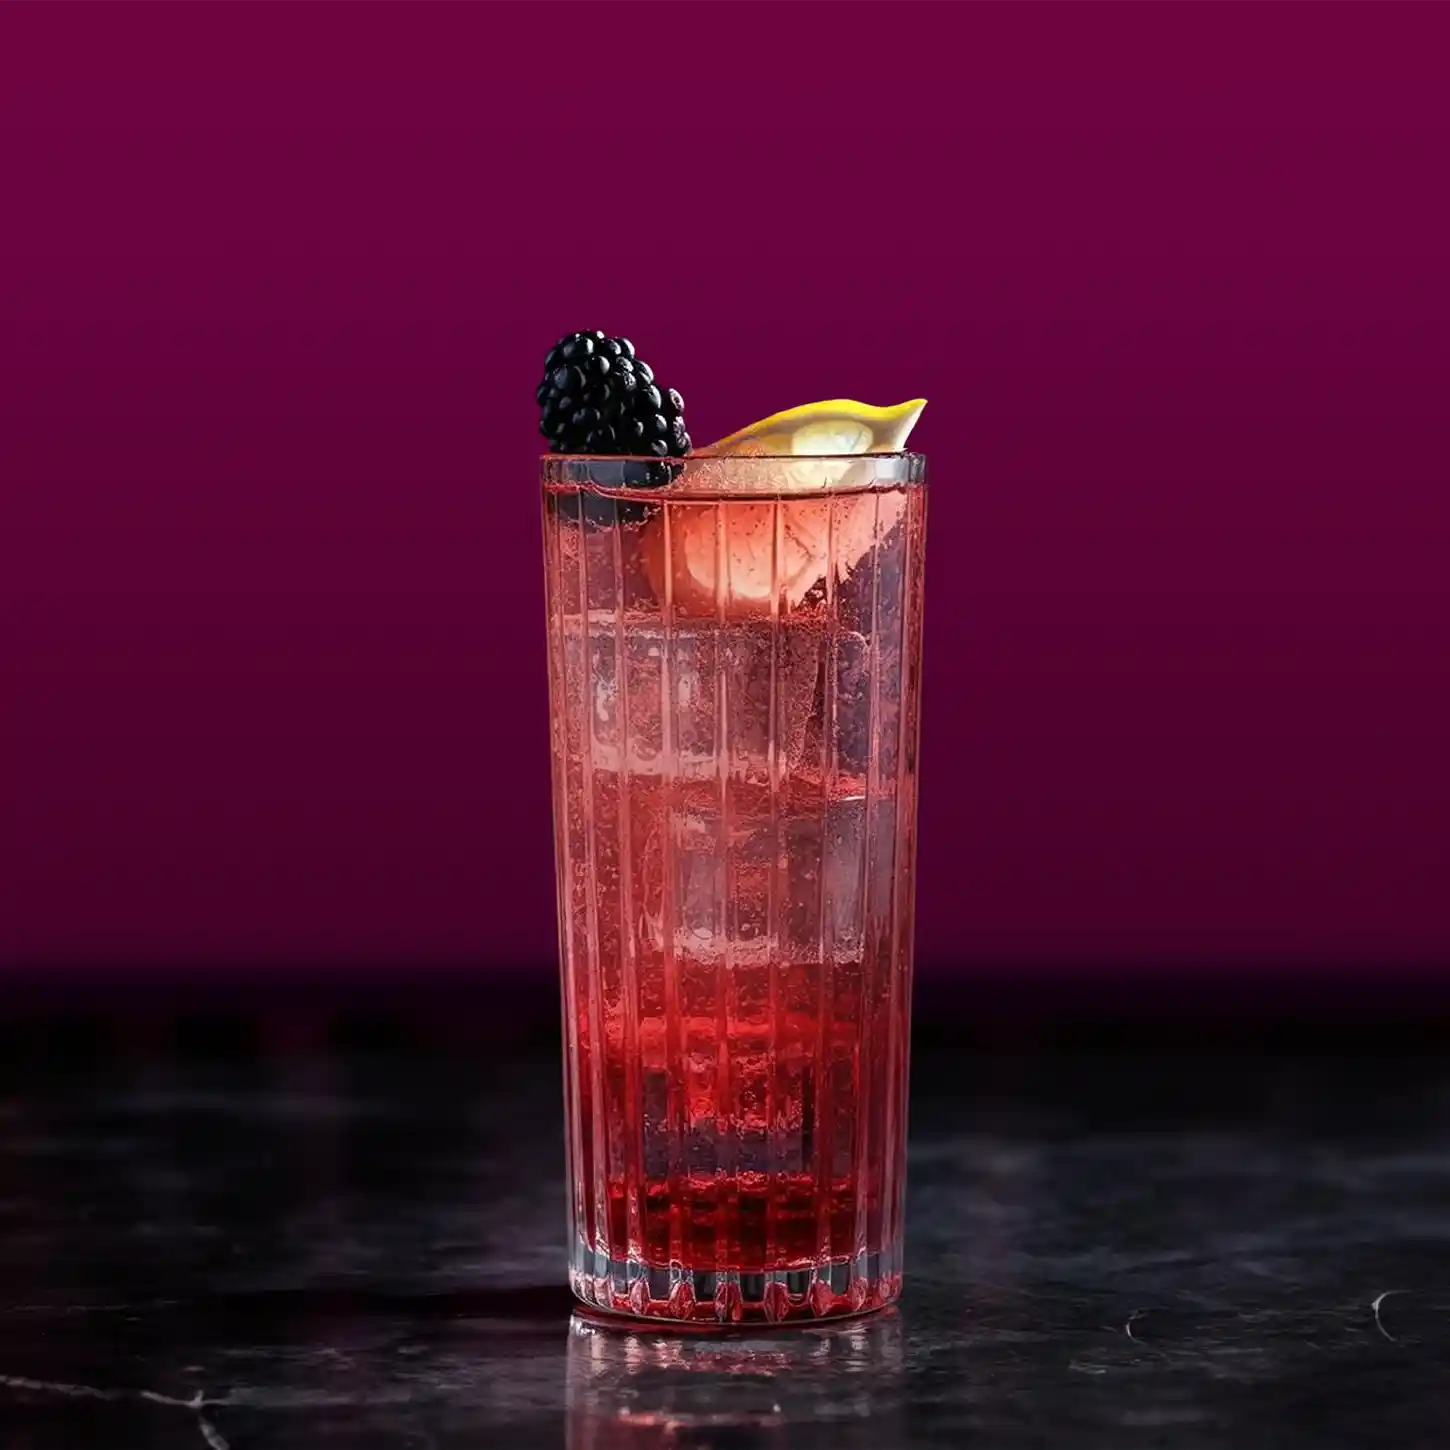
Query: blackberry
(599, 397)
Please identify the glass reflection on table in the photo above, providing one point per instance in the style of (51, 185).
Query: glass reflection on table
(633, 1387)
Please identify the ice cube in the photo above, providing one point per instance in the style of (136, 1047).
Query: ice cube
(676, 682)
(734, 558)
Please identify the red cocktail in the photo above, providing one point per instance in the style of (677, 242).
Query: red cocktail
(735, 661)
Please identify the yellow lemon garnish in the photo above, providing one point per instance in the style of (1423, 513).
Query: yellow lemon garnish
(839, 425)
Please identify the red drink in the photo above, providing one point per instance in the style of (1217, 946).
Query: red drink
(734, 674)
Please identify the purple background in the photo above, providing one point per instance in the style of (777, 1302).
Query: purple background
(274, 286)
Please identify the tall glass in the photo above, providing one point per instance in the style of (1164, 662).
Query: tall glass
(734, 673)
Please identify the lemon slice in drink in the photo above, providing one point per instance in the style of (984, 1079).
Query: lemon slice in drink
(782, 549)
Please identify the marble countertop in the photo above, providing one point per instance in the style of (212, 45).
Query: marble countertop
(350, 1249)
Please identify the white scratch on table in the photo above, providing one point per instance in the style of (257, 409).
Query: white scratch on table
(1128, 1327)
(1379, 1323)
(209, 1432)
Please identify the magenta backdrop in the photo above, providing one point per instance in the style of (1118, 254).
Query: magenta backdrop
(274, 285)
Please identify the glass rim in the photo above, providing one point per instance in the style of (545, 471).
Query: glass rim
(727, 476)
(730, 458)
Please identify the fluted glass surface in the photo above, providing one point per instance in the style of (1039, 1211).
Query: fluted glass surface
(735, 664)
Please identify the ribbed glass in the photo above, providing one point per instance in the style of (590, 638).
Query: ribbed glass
(734, 672)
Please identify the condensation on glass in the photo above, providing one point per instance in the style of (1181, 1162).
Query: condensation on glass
(735, 671)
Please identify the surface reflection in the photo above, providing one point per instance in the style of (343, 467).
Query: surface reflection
(635, 1388)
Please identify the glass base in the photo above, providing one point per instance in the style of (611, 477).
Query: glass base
(828, 1290)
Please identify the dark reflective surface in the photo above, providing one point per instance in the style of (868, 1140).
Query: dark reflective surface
(285, 1246)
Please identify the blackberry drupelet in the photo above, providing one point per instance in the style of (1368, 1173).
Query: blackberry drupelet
(598, 397)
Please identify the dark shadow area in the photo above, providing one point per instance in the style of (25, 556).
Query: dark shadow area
(63, 1011)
